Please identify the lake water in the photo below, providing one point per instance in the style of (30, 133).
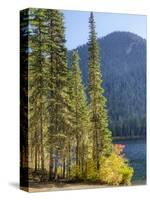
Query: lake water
(135, 152)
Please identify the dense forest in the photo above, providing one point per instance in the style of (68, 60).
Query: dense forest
(123, 58)
(65, 135)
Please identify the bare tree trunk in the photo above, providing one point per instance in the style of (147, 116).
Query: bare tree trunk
(51, 164)
(56, 164)
(69, 158)
(38, 158)
(42, 150)
(97, 152)
(77, 151)
(35, 168)
(64, 167)
(82, 158)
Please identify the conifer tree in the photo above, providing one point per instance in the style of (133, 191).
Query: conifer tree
(58, 89)
(100, 132)
(48, 93)
(37, 74)
(80, 114)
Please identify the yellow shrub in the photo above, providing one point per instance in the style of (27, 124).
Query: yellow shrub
(114, 170)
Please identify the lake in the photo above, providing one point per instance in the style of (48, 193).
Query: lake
(135, 152)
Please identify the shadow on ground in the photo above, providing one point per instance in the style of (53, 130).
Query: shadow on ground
(14, 184)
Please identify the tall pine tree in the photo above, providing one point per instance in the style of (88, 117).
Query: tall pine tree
(100, 132)
(80, 115)
(58, 89)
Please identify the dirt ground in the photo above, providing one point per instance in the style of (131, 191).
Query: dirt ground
(43, 187)
(60, 186)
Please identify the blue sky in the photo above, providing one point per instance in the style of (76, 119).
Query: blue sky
(76, 23)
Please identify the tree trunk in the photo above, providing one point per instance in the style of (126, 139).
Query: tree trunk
(64, 168)
(51, 164)
(82, 158)
(69, 159)
(56, 164)
(97, 152)
(35, 168)
(38, 158)
(42, 148)
(77, 151)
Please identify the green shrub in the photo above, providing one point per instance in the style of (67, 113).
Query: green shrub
(127, 173)
(76, 173)
(88, 174)
(91, 174)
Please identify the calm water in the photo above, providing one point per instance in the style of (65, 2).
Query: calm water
(135, 151)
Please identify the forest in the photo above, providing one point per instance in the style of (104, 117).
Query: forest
(65, 134)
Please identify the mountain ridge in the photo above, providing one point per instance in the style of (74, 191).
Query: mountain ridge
(114, 32)
(123, 66)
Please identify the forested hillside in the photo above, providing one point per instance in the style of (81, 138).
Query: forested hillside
(123, 64)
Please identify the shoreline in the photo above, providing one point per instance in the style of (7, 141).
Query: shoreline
(128, 138)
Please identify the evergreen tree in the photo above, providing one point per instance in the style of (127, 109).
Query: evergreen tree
(58, 89)
(48, 88)
(97, 102)
(80, 114)
(37, 87)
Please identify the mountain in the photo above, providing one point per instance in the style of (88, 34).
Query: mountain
(123, 66)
